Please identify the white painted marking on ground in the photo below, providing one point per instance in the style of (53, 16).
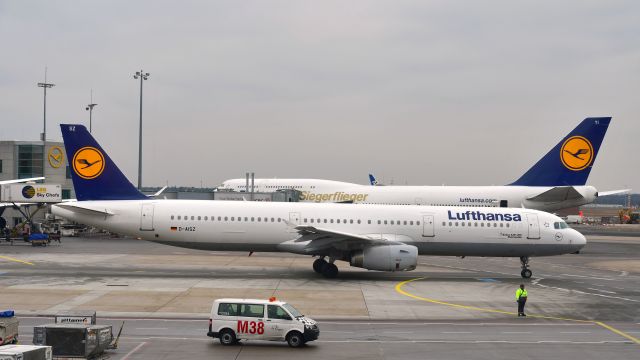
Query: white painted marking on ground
(604, 291)
(475, 342)
(336, 331)
(588, 293)
(590, 277)
(134, 350)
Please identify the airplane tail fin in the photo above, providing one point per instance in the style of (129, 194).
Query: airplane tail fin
(569, 162)
(95, 176)
(373, 180)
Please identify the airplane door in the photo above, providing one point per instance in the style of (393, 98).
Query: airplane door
(146, 217)
(294, 218)
(427, 226)
(534, 226)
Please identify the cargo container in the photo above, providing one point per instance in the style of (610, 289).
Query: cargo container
(25, 352)
(74, 340)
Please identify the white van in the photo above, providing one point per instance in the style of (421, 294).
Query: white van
(232, 320)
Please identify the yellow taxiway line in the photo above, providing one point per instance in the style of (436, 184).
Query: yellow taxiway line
(15, 260)
(399, 289)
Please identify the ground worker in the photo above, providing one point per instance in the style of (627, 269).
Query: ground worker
(521, 299)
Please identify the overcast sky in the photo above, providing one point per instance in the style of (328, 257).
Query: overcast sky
(418, 92)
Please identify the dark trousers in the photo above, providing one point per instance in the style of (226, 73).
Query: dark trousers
(521, 303)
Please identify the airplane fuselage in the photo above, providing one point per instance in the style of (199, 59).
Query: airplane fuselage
(317, 190)
(256, 226)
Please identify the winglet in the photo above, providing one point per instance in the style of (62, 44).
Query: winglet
(95, 176)
(569, 162)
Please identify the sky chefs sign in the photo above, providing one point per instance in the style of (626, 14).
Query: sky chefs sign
(31, 193)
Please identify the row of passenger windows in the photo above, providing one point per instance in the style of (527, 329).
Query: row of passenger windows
(465, 205)
(474, 224)
(305, 220)
(281, 187)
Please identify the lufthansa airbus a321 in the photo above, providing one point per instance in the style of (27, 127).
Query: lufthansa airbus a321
(369, 236)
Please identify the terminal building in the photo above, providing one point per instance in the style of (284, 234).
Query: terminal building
(28, 159)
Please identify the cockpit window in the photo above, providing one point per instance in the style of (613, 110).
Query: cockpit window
(560, 225)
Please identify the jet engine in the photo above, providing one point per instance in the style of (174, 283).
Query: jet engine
(386, 258)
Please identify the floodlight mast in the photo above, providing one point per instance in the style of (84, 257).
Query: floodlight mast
(45, 85)
(90, 109)
(142, 76)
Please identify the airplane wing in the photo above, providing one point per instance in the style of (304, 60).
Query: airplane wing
(556, 194)
(314, 240)
(613, 192)
(15, 181)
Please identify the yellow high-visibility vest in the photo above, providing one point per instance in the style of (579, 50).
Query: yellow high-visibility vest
(520, 293)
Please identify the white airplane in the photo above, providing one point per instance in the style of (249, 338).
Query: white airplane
(374, 237)
(556, 181)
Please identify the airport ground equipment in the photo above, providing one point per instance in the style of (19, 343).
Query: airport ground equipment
(25, 352)
(233, 320)
(74, 340)
(39, 239)
(76, 317)
(8, 327)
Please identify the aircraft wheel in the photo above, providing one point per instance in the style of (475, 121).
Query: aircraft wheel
(330, 271)
(318, 265)
(526, 273)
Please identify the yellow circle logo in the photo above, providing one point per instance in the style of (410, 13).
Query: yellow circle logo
(55, 157)
(576, 153)
(88, 162)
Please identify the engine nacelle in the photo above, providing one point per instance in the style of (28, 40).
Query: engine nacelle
(386, 258)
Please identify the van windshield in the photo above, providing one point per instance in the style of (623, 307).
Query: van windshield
(293, 311)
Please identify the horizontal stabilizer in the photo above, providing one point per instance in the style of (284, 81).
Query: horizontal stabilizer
(85, 210)
(614, 192)
(557, 194)
(158, 192)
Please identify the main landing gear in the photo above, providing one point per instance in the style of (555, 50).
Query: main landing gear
(525, 273)
(327, 269)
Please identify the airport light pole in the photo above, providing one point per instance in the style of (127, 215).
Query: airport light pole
(143, 76)
(90, 109)
(45, 85)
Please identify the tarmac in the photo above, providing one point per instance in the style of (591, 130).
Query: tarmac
(580, 305)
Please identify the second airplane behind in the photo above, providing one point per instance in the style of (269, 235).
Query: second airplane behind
(556, 181)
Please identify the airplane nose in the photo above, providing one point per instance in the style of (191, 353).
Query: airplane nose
(579, 240)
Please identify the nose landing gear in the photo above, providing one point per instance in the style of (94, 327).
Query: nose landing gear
(525, 273)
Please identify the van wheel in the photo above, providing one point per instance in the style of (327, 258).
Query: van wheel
(295, 339)
(227, 337)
